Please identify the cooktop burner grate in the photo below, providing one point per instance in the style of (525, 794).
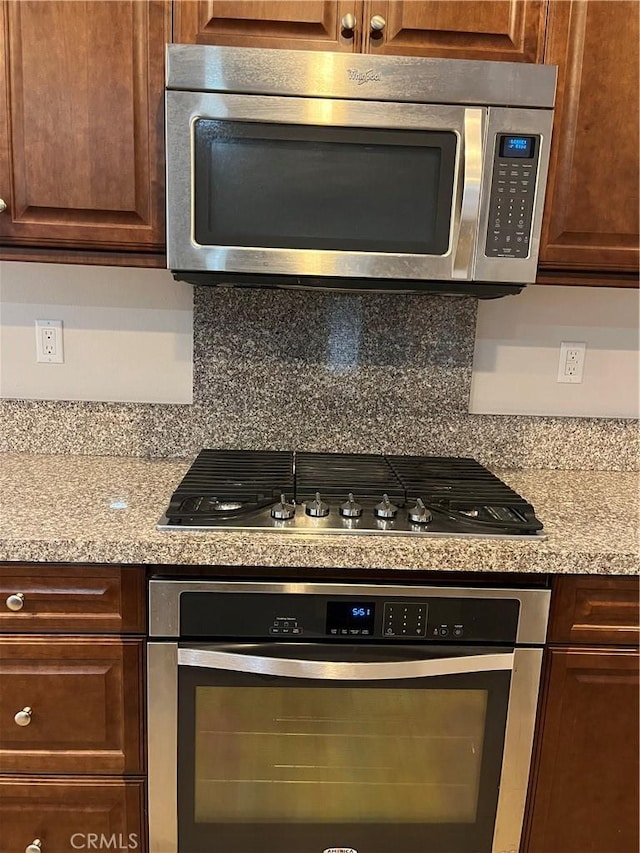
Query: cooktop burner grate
(238, 489)
(334, 475)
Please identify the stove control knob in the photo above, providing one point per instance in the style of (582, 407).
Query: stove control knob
(385, 509)
(317, 507)
(283, 511)
(419, 514)
(350, 509)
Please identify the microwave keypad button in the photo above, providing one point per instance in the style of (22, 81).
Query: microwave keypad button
(509, 224)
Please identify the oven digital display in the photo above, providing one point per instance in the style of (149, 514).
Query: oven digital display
(517, 146)
(350, 617)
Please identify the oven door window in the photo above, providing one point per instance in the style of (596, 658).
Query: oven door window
(313, 187)
(269, 763)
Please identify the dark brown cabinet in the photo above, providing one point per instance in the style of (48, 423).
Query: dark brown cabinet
(82, 599)
(591, 211)
(510, 30)
(71, 705)
(584, 793)
(292, 24)
(81, 125)
(63, 813)
(467, 29)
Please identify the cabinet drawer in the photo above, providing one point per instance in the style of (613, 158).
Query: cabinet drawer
(595, 609)
(62, 813)
(92, 599)
(84, 701)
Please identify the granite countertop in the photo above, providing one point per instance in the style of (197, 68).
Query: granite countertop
(60, 509)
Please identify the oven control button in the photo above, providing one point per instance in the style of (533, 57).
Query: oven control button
(443, 631)
(296, 630)
(317, 508)
(274, 630)
(458, 630)
(283, 511)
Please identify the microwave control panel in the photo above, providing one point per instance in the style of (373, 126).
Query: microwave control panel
(515, 167)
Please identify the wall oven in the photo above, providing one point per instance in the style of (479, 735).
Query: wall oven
(318, 717)
(312, 169)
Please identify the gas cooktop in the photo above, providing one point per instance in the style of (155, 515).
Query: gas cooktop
(344, 493)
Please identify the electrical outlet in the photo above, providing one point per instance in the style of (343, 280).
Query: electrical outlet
(49, 348)
(571, 363)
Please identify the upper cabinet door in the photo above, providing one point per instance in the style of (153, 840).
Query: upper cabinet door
(591, 211)
(81, 123)
(293, 24)
(510, 30)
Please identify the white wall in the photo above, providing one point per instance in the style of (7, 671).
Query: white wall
(517, 352)
(128, 337)
(127, 333)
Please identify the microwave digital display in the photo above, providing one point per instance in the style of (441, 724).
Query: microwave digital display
(517, 146)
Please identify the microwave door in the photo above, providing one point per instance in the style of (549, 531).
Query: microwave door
(322, 188)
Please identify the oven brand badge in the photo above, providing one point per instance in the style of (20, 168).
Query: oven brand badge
(360, 77)
(340, 850)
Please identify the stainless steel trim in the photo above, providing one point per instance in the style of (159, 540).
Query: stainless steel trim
(183, 110)
(468, 228)
(334, 525)
(320, 74)
(518, 745)
(211, 658)
(162, 741)
(164, 600)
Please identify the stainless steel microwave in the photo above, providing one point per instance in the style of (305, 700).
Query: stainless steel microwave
(313, 169)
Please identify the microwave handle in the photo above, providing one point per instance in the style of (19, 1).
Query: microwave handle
(470, 205)
(344, 670)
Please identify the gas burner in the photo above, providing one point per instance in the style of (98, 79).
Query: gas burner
(422, 496)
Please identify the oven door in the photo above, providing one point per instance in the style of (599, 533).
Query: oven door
(316, 747)
(322, 188)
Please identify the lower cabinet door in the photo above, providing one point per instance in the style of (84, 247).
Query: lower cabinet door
(71, 705)
(584, 796)
(71, 814)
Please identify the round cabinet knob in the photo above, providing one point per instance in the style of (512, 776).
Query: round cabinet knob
(15, 602)
(34, 847)
(3, 205)
(348, 22)
(23, 718)
(377, 23)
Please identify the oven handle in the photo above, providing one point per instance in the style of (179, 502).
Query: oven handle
(470, 194)
(344, 670)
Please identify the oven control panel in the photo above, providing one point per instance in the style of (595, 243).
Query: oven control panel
(301, 617)
(513, 184)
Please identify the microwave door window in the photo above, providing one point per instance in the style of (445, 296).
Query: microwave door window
(331, 188)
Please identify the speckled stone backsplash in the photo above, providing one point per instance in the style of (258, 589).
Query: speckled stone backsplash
(326, 372)
(322, 367)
